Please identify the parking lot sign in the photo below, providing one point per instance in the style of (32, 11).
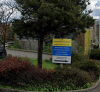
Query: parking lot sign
(61, 51)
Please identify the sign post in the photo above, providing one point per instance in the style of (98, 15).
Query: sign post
(61, 51)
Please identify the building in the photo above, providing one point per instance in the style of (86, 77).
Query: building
(96, 32)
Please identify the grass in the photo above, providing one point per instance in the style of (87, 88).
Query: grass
(48, 65)
(45, 49)
(12, 47)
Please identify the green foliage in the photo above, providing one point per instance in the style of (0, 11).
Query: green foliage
(49, 60)
(87, 85)
(0, 43)
(65, 76)
(93, 40)
(96, 47)
(44, 17)
(45, 86)
(26, 76)
(80, 61)
(95, 54)
(80, 49)
(11, 46)
(46, 63)
(47, 49)
(17, 45)
(90, 66)
(77, 57)
(50, 14)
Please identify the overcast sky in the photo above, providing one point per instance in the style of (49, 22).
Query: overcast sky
(95, 6)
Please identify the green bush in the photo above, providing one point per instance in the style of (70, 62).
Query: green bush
(80, 61)
(95, 54)
(11, 46)
(17, 45)
(96, 47)
(80, 49)
(77, 57)
(92, 67)
(64, 76)
(47, 49)
(49, 60)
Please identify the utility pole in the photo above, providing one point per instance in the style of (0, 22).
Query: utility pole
(99, 32)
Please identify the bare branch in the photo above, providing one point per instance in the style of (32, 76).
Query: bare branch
(7, 8)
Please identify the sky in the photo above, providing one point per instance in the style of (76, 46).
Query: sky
(94, 6)
(15, 15)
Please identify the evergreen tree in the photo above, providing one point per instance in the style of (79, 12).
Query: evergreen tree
(42, 17)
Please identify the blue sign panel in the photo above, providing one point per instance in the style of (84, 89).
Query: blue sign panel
(61, 51)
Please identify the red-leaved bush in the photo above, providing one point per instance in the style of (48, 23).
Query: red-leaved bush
(17, 70)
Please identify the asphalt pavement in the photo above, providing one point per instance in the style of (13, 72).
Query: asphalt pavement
(27, 53)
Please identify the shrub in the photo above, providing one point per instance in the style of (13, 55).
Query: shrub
(96, 47)
(95, 54)
(92, 67)
(49, 60)
(80, 49)
(64, 76)
(16, 70)
(17, 45)
(47, 49)
(12, 67)
(77, 57)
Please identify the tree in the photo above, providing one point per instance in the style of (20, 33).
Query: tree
(44, 17)
(7, 8)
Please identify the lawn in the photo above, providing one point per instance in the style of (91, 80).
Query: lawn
(45, 64)
(45, 48)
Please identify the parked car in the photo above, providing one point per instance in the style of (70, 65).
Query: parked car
(1, 52)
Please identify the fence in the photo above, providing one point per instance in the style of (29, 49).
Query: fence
(29, 44)
(33, 45)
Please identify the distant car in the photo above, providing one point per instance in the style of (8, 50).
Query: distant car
(6, 45)
(1, 52)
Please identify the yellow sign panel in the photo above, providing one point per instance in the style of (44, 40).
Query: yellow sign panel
(62, 42)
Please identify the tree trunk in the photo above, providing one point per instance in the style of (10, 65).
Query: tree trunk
(38, 47)
(4, 53)
(40, 50)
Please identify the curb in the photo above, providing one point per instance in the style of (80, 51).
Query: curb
(87, 90)
(28, 51)
(82, 90)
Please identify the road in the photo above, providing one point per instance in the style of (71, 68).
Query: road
(27, 54)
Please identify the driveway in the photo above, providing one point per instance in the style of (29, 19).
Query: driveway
(25, 53)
